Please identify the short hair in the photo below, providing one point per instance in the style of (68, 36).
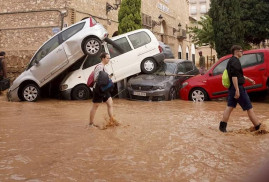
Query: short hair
(235, 48)
(2, 53)
(103, 55)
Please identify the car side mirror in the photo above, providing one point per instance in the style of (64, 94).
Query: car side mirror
(210, 74)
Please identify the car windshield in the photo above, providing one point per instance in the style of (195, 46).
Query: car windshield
(166, 69)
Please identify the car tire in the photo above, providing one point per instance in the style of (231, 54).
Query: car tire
(172, 94)
(148, 66)
(30, 92)
(92, 46)
(81, 92)
(198, 95)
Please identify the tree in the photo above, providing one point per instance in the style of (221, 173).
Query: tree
(255, 19)
(129, 16)
(203, 34)
(227, 25)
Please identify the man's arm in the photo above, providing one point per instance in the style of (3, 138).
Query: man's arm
(250, 80)
(235, 83)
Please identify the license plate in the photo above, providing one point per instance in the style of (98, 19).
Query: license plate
(140, 93)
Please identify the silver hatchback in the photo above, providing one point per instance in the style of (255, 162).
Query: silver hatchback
(56, 55)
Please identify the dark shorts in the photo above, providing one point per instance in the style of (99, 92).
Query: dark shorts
(99, 98)
(243, 100)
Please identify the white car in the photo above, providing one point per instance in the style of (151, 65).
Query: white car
(138, 51)
(56, 55)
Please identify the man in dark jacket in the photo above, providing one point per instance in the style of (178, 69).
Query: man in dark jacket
(237, 93)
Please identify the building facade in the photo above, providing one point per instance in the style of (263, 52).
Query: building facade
(26, 25)
(199, 8)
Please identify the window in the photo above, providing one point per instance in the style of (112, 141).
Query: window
(220, 67)
(146, 20)
(188, 66)
(66, 34)
(193, 10)
(203, 9)
(248, 60)
(192, 1)
(45, 50)
(181, 69)
(90, 61)
(139, 39)
(123, 44)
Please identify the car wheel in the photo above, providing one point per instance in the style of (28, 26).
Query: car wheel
(198, 95)
(81, 92)
(148, 66)
(172, 94)
(92, 46)
(30, 93)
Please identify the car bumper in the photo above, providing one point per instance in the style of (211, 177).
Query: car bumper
(156, 95)
(184, 93)
(66, 94)
(12, 95)
(159, 58)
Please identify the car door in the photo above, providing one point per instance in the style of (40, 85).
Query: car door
(49, 59)
(214, 81)
(122, 64)
(254, 68)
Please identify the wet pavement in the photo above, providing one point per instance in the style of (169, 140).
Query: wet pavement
(156, 141)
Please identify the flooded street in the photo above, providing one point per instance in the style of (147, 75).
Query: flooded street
(156, 141)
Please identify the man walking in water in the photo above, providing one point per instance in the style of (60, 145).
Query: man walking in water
(237, 93)
(98, 96)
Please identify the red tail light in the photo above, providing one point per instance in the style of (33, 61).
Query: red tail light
(92, 22)
(160, 49)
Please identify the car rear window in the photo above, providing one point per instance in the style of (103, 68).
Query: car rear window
(248, 60)
(139, 39)
(66, 34)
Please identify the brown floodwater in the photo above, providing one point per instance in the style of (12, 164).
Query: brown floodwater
(155, 141)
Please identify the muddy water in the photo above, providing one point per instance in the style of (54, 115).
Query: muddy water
(155, 141)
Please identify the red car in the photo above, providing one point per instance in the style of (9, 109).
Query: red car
(255, 64)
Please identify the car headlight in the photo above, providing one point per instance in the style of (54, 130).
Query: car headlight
(159, 87)
(63, 87)
(184, 84)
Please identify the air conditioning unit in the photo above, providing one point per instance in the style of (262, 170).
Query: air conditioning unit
(182, 34)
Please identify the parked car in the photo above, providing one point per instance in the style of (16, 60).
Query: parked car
(255, 64)
(56, 55)
(140, 52)
(168, 54)
(164, 83)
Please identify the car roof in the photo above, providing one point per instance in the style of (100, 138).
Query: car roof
(129, 33)
(247, 52)
(176, 60)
